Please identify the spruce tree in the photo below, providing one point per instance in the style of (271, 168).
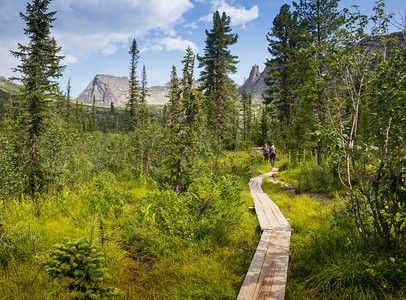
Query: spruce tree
(217, 63)
(246, 99)
(112, 110)
(93, 118)
(68, 95)
(40, 66)
(320, 19)
(105, 126)
(77, 116)
(174, 97)
(134, 89)
(184, 124)
(112, 115)
(264, 125)
(284, 72)
(142, 109)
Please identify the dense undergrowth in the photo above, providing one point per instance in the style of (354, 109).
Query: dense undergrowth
(154, 244)
(327, 259)
(150, 243)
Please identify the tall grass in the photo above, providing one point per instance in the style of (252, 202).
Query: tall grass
(308, 176)
(157, 245)
(326, 259)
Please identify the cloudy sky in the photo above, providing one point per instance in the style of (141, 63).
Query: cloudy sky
(95, 35)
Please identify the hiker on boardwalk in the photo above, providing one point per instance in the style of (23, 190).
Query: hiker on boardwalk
(266, 151)
(272, 154)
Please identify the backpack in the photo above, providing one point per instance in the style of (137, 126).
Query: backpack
(273, 151)
(266, 151)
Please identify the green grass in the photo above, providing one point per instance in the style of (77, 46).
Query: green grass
(327, 260)
(157, 245)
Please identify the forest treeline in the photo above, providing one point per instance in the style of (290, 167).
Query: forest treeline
(337, 89)
(336, 93)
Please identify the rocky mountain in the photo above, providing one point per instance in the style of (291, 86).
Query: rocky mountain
(114, 89)
(374, 42)
(109, 89)
(9, 86)
(255, 84)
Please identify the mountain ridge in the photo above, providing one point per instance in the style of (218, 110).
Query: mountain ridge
(109, 89)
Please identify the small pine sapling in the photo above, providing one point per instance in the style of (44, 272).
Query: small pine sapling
(82, 263)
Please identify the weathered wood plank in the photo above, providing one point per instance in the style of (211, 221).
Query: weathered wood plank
(266, 277)
(272, 280)
(248, 289)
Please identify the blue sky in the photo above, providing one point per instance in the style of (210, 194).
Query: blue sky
(95, 35)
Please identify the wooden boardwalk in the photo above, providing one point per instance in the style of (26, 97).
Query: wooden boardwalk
(266, 277)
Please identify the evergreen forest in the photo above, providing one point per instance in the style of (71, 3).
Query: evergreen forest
(152, 202)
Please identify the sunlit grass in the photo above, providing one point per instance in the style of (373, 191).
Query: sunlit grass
(327, 260)
(202, 253)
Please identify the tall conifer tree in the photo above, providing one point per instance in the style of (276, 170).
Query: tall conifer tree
(68, 103)
(93, 118)
(174, 96)
(284, 72)
(246, 99)
(184, 125)
(134, 89)
(40, 64)
(217, 63)
(320, 18)
(142, 109)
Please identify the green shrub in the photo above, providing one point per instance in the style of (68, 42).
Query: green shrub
(311, 177)
(104, 195)
(12, 175)
(284, 164)
(82, 263)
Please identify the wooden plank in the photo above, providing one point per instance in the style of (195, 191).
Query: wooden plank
(276, 211)
(272, 280)
(248, 289)
(266, 277)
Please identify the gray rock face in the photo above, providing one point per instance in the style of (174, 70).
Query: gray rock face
(106, 89)
(109, 89)
(255, 84)
(2, 80)
(253, 78)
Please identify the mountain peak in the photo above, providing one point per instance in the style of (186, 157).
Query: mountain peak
(254, 74)
(109, 89)
(255, 84)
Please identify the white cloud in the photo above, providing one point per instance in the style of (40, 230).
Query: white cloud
(178, 44)
(191, 25)
(170, 44)
(86, 27)
(119, 21)
(69, 59)
(121, 15)
(78, 46)
(238, 15)
(109, 49)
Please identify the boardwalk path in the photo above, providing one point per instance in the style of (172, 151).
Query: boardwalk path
(266, 277)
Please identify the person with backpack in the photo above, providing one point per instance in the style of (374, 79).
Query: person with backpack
(272, 154)
(266, 151)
